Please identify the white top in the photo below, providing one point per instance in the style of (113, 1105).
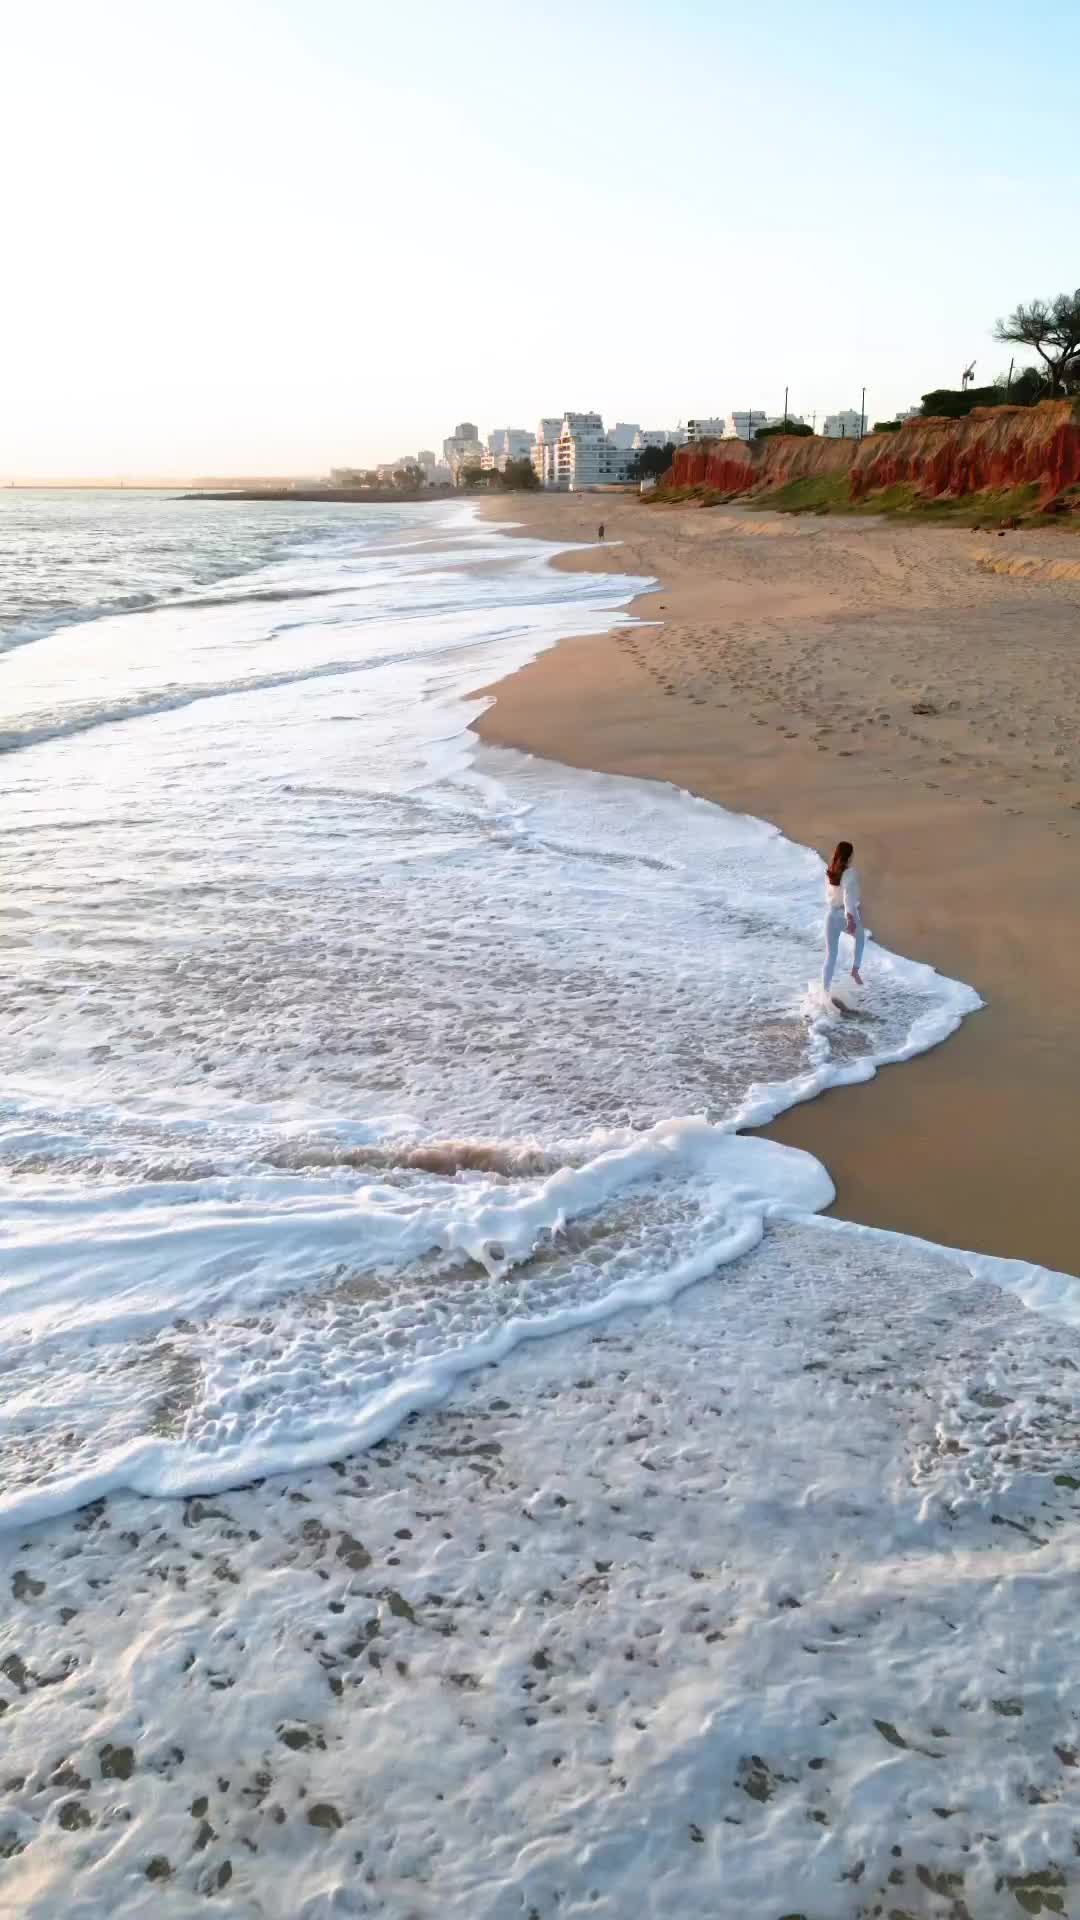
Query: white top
(847, 894)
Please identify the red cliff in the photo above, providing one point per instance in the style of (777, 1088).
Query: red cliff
(993, 449)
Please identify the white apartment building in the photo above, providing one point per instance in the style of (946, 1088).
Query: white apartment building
(437, 473)
(464, 436)
(387, 469)
(506, 444)
(621, 435)
(547, 433)
(843, 426)
(743, 426)
(658, 437)
(513, 441)
(582, 456)
(714, 427)
(462, 448)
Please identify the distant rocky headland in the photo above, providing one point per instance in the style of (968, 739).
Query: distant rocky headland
(366, 496)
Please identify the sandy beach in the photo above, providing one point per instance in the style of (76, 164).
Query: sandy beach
(917, 690)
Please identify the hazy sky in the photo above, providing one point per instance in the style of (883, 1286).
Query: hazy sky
(272, 235)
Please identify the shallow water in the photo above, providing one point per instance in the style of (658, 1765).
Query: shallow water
(341, 1053)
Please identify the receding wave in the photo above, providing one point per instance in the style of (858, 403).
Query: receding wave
(144, 603)
(262, 595)
(73, 615)
(448, 1157)
(84, 719)
(510, 1160)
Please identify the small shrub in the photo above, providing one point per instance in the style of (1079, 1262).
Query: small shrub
(796, 429)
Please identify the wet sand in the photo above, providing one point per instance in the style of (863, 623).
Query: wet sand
(759, 1602)
(782, 679)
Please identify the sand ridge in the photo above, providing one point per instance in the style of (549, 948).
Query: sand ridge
(874, 679)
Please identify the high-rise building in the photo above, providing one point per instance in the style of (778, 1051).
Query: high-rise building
(462, 449)
(464, 436)
(582, 456)
(621, 435)
(508, 443)
(547, 433)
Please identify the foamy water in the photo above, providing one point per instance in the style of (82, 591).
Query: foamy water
(340, 1060)
(341, 1054)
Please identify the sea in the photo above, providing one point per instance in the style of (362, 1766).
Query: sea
(342, 1053)
(450, 1462)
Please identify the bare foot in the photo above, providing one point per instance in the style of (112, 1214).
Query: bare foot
(857, 976)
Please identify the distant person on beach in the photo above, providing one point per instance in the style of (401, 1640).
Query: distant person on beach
(600, 531)
(843, 909)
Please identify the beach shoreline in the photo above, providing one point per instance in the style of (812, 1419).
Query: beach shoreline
(780, 675)
(412, 1516)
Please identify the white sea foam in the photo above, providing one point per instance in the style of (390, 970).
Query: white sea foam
(343, 1054)
(760, 1603)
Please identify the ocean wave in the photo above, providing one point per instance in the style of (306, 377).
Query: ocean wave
(85, 719)
(72, 614)
(76, 720)
(444, 1278)
(176, 600)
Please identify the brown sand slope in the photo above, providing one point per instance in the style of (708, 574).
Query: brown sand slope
(782, 682)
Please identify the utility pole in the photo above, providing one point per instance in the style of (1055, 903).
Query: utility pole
(862, 416)
(785, 406)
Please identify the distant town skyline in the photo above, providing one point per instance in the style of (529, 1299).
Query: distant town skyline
(597, 452)
(276, 237)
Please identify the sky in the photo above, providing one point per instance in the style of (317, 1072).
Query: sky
(271, 236)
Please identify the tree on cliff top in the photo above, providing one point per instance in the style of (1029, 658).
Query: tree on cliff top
(1052, 327)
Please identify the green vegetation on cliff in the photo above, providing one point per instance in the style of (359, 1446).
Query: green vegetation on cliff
(831, 493)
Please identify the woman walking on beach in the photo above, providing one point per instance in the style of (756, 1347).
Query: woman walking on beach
(843, 909)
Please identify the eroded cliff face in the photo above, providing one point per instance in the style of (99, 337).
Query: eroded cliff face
(995, 449)
(732, 466)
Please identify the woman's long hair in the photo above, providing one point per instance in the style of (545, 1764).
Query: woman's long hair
(842, 853)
